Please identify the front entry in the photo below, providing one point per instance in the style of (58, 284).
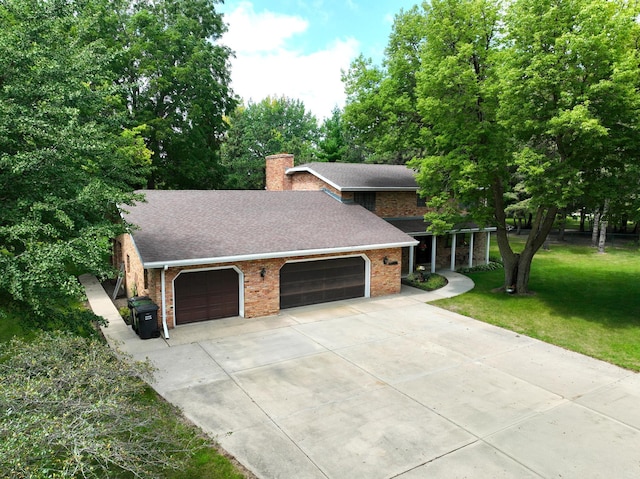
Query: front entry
(204, 295)
(310, 282)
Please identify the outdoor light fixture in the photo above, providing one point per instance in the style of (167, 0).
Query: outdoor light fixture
(389, 262)
(263, 272)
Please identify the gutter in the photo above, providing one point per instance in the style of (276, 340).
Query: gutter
(280, 254)
(164, 303)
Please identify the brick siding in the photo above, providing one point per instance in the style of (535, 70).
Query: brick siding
(261, 294)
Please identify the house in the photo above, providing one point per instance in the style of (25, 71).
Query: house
(390, 192)
(319, 232)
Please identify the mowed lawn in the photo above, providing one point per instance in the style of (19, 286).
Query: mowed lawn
(582, 301)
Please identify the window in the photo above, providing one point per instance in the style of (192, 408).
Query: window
(366, 199)
(421, 201)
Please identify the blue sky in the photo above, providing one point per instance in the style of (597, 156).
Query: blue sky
(297, 48)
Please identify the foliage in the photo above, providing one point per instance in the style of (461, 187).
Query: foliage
(490, 266)
(332, 145)
(427, 282)
(518, 108)
(65, 160)
(272, 126)
(177, 80)
(381, 109)
(70, 408)
(603, 323)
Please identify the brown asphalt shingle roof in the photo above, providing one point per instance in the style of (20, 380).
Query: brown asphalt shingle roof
(362, 176)
(188, 226)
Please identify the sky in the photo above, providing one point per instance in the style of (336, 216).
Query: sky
(297, 48)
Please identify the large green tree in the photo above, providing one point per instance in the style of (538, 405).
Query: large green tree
(274, 125)
(177, 80)
(569, 97)
(65, 159)
(528, 105)
(381, 113)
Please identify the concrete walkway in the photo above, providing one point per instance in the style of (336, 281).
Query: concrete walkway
(392, 387)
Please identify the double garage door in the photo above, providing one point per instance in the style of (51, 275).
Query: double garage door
(214, 294)
(311, 282)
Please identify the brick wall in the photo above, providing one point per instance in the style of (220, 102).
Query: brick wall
(398, 204)
(262, 294)
(276, 165)
(134, 272)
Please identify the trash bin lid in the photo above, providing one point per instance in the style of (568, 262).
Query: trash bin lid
(138, 300)
(146, 307)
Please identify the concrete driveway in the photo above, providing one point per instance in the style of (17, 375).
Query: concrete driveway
(394, 388)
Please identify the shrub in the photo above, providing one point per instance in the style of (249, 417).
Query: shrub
(491, 266)
(69, 407)
(425, 281)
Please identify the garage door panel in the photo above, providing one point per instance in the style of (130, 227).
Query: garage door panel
(312, 282)
(205, 295)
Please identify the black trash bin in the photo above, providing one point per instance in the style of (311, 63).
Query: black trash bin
(132, 303)
(147, 320)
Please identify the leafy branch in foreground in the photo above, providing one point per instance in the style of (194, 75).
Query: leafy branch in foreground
(69, 407)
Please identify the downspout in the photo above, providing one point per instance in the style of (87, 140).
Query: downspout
(164, 303)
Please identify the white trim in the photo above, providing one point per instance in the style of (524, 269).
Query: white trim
(434, 245)
(488, 244)
(198, 270)
(280, 254)
(453, 250)
(412, 257)
(367, 267)
(471, 250)
(164, 303)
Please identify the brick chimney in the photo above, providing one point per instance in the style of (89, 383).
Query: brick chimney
(276, 180)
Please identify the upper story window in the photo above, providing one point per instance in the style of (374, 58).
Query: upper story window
(421, 201)
(366, 199)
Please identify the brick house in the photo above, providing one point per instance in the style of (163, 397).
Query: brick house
(320, 232)
(211, 254)
(390, 192)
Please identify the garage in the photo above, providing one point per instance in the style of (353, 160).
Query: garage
(205, 295)
(311, 282)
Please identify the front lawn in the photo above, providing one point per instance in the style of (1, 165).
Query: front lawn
(582, 301)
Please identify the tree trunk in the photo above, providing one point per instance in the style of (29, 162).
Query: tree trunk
(562, 225)
(517, 266)
(596, 228)
(583, 217)
(603, 227)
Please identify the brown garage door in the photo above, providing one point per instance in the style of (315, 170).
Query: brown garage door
(204, 295)
(312, 282)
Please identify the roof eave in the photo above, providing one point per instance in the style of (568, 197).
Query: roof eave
(273, 255)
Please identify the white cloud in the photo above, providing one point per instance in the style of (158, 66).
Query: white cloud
(266, 66)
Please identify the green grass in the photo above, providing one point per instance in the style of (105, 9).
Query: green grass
(582, 301)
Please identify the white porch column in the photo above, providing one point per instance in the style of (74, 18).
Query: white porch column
(412, 250)
(471, 250)
(434, 244)
(453, 252)
(488, 244)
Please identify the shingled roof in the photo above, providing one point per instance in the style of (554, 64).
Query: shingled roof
(361, 176)
(180, 228)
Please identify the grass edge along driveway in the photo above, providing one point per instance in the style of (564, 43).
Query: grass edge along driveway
(582, 301)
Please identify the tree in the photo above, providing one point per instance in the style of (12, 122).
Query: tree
(177, 84)
(381, 111)
(65, 160)
(274, 125)
(332, 145)
(564, 94)
(70, 407)
(532, 106)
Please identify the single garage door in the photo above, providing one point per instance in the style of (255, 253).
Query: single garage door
(204, 295)
(311, 282)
